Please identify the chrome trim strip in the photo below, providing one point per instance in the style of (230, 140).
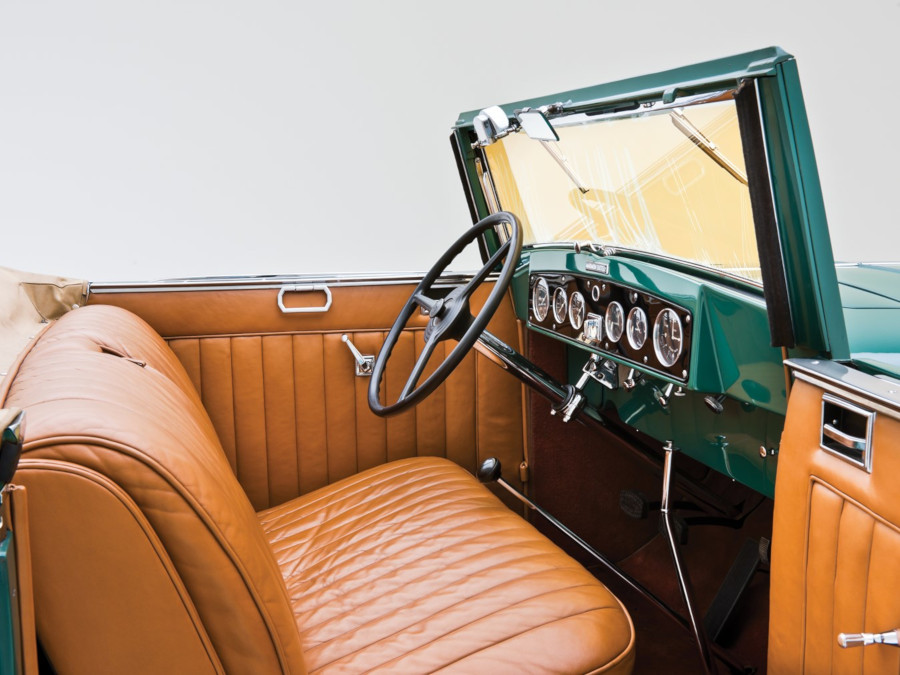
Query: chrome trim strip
(246, 283)
(876, 393)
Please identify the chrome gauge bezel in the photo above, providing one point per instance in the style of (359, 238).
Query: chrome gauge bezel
(560, 305)
(636, 317)
(577, 308)
(540, 286)
(614, 321)
(675, 328)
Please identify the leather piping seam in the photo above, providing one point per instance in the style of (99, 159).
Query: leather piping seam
(358, 570)
(482, 618)
(60, 466)
(283, 333)
(135, 454)
(453, 582)
(626, 651)
(391, 471)
(404, 505)
(383, 513)
(13, 370)
(850, 500)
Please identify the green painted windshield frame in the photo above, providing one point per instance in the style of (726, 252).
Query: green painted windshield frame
(807, 258)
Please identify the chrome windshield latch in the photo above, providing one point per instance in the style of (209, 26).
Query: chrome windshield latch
(364, 362)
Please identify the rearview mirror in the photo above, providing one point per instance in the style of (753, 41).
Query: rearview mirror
(536, 125)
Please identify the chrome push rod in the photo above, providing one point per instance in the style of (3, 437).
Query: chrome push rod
(489, 472)
(684, 582)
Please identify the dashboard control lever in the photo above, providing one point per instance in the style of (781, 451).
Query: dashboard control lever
(603, 371)
(662, 397)
(631, 380)
(364, 362)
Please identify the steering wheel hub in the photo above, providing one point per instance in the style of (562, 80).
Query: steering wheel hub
(450, 317)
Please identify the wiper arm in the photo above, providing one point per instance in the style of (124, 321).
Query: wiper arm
(550, 146)
(684, 125)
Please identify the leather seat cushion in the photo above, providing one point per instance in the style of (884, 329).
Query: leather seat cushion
(415, 567)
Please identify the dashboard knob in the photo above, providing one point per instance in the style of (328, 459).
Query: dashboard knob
(716, 403)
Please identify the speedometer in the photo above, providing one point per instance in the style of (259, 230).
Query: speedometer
(540, 300)
(637, 327)
(668, 337)
(576, 310)
(615, 321)
(560, 305)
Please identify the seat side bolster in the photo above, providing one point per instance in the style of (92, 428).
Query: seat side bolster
(90, 600)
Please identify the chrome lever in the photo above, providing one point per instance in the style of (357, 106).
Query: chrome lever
(364, 362)
(890, 637)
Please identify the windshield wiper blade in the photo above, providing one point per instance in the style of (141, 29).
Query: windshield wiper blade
(684, 125)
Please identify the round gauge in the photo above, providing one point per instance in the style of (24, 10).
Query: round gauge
(576, 310)
(615, 321)
(595, 292)
(540, 300)
(560, 304)
(636, 327)
(667, 337)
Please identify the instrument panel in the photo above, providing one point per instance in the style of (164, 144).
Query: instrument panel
(629, 324)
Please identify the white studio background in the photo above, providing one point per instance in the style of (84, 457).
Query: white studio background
(144, 140)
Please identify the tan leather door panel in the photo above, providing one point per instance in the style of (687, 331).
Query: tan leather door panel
(283, 395)
(835, 547)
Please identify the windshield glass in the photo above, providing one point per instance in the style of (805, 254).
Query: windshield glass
(669, 181)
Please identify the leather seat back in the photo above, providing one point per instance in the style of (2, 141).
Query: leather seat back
(104, 394)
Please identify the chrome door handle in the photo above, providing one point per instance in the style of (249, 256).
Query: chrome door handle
(848, 441)
(304, 288)
(890, 637)
(364, 362)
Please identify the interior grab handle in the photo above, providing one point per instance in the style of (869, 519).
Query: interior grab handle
(890, 637)
(304, 288)
(848, 441)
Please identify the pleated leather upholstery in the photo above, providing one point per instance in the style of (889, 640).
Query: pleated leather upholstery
(411, 566)
(835, 547)
(285, 401)
(292, 415)
(102, 391)
(414, 567)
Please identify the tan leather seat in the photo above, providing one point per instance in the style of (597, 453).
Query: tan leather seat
(148, 557)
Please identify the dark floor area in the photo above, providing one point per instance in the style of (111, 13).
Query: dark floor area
(578, 474)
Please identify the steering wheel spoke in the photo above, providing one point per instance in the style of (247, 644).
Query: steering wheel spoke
(419, 366)
(449, 316)
(423, 301)
(483, 273)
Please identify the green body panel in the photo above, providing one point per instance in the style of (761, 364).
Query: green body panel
(728, 442)
(733, 357)
(8, 608)
(870, 295)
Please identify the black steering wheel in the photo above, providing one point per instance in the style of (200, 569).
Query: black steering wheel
(449, 316)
